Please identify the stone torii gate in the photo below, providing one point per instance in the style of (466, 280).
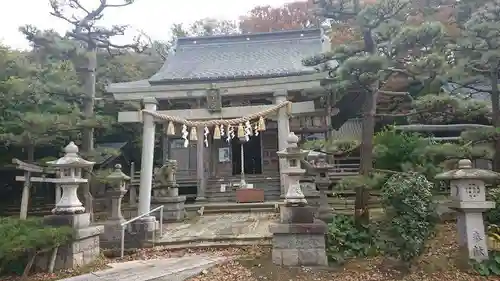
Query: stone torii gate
(148, 139)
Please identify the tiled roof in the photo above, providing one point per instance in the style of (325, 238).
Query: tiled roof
(103, 153)
(351, 129)
(243, 56)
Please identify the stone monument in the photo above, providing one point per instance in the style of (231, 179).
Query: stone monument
(298, 239)
(166, 193)
(468, 198)
(112, 227)
(69, 211)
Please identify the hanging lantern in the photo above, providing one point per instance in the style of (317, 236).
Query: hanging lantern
(193, 135)
(170, 129)
(262, 124)
(217, 132)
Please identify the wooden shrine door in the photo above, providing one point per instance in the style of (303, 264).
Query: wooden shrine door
(185, 156)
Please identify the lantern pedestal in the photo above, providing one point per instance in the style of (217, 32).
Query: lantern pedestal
(111, 238)
(299, 239)
(83, 250)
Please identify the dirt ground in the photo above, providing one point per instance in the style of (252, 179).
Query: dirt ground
(438, 263)
(254, 264)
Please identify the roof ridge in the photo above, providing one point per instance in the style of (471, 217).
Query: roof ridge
(261, 36)
(222, 43)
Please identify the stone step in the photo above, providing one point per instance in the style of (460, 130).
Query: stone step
(240, 210)
(233, 206)
(211, 242)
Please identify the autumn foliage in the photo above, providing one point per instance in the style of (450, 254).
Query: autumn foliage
(295, 15)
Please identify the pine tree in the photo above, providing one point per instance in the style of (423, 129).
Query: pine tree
(388, 45)
(477, 55)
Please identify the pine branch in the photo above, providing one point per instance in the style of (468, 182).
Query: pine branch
(85, 30)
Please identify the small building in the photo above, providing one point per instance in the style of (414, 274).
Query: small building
(226, 77)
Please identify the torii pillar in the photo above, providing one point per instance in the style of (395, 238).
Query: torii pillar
(147, 161)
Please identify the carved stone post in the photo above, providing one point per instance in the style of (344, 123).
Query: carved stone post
(166, 192)
(69, 211)
(298, 239)
(468, 198)
(112, 227)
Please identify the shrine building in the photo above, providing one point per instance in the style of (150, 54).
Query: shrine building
(224, 78)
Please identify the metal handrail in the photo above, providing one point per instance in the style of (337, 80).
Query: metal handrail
(124, 224)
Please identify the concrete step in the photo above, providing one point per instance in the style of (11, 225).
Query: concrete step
(233, 207)
(240, 210)
(211, 242)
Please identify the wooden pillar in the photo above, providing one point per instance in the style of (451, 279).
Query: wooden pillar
(283, 131)
(200, 165)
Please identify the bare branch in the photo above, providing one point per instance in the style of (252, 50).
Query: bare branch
(85, 29)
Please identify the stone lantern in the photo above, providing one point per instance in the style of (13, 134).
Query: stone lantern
(468, 198)
(293, 171)
(118, 181)
(84, 248)
(321, 168)
(112, 227)
(298, 239)
(70, 168)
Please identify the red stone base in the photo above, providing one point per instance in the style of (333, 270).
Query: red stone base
(249, 195)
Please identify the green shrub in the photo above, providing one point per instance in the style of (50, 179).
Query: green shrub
(411, 216)
(492, 216)
(345, 240)
(392, 149)
(20, 238)
(490, 267)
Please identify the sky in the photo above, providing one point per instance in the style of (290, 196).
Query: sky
(154, 17)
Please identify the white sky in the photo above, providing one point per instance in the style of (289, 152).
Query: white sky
(152, 16)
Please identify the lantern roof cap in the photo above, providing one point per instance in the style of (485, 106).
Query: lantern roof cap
(71, 158)
(465, 171)
(117, 174)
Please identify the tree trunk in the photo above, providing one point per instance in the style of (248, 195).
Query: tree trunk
(495, 106)
(89, 80)
(361, 210)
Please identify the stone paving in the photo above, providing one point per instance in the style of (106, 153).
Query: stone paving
(171, 269)
(219, 227)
